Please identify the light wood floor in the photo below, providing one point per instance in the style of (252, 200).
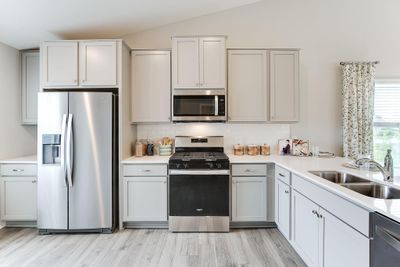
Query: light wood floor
(253, 247)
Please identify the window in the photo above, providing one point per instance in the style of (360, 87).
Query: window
(387, 121)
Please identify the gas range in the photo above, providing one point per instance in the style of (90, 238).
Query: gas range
(199, 185)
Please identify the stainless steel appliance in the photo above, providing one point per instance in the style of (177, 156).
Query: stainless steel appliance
(199, 105)
(385, 244)
(199, 185)
(77, 161)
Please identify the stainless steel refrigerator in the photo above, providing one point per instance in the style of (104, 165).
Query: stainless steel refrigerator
(77, 161)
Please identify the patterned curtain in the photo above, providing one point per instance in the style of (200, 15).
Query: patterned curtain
(358, 108)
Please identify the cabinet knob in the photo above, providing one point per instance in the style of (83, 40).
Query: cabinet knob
(286, 191)
(34, 182)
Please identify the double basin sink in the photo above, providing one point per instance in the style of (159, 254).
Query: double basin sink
(359, 185)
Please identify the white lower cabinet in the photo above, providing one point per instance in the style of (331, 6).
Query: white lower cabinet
(249, 199)
(305, 232)
(322, 239)
(145, 199)
(282, 207)
(18, 198)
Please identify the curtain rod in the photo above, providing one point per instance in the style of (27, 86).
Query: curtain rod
(349, 62)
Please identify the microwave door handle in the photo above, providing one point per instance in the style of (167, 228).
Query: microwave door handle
(216, 105)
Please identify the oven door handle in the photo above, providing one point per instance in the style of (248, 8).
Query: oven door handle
(199, 172)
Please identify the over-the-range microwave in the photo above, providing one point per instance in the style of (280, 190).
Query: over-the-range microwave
(199, 105)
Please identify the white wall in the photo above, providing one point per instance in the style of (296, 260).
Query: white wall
(15, 140)
(233, 133)
(326, 31)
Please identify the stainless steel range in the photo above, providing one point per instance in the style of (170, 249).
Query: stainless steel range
(199, 185)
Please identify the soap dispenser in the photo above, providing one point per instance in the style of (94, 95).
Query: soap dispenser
(389, 162)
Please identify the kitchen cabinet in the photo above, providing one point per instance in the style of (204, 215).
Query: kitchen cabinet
(247, 83)
(98, 63)
(198, 62)
(282, 207)
(284, 85)
(322, 239)
(145, 193)
(18, 192)
(151, 86)
(71, 64)
(30, 84)
(249, 193)
(59, 63)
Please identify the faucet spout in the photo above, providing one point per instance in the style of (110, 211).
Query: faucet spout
(387, 176)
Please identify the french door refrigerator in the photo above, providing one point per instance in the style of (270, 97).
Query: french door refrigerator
(77, 161)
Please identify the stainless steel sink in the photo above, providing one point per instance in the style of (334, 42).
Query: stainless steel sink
(375, 190)
(359, 185)
(339, 177)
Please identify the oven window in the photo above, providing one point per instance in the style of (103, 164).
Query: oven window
(194, 105)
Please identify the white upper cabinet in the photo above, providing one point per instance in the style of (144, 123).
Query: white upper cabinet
(30, 86)
(98, 63)
(151, 84)
(71, 64)
(247, 85)
(59, 63)
(212, 62)
(198, 62)
(284, 86)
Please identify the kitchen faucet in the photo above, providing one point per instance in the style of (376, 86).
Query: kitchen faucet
(387, 176)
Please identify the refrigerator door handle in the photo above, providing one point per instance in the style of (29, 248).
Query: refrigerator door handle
(69, 150)
(63, 135)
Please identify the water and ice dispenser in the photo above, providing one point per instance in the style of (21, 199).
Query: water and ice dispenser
(51, 148)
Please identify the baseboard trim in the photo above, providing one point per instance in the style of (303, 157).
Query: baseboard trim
(30, 224)
(237, 225)
(144, 225)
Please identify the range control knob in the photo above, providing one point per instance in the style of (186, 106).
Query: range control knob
(185, 165)
(178, 165)
(219, 166)
(210, 165)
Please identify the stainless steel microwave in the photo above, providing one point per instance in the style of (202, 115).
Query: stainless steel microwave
(199, 105)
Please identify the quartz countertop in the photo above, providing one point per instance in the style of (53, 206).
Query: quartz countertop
(31, 159)
(301, 167)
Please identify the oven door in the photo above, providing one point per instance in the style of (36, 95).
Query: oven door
(198, 105)
(198, 195)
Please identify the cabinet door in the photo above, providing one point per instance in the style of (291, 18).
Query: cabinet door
(342, 245)
(212, 62)
(151, 86)
(185, 63)
(247, 84)
(98, 63)
(284, 86)
(282, 207)
(18, 198)
(249, 202)
(30, 86)
(305, 237)
(145, 199)
(59, 64)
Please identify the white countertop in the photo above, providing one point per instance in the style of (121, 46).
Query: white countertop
(302, 165)
(31, 159)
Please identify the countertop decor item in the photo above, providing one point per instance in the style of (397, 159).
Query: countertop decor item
(300, 147)
(284, 146)
(265, 150)
(238, 150)
(253, 150)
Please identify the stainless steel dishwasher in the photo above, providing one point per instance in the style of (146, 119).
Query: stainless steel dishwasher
(385, 244)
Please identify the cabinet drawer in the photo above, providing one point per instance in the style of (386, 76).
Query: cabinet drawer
(145, 170)
(249, 169)
(282, 174)
(18, 170)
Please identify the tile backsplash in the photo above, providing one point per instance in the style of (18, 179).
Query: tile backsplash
(233, 133)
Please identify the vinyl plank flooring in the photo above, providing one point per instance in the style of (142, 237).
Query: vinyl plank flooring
(147, 247)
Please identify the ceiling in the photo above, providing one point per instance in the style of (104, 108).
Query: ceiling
(24, 23)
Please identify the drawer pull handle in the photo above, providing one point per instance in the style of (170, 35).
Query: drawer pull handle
(314, 212)
(18, 170)
(281, 175)
(34, 182)
(248, 170)
(286, 191)
(146, 170)
(199, 210)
